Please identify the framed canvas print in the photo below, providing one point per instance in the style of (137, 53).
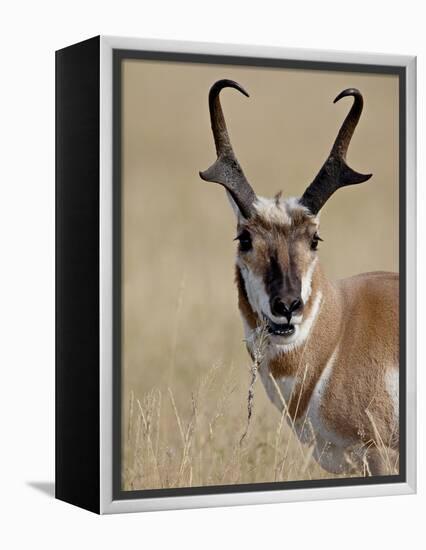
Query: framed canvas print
(235, 269)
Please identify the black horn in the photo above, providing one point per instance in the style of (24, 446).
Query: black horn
(335, 173)
(226, 170)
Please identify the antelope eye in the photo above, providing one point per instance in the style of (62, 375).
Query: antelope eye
(315, 240)
(244, 239)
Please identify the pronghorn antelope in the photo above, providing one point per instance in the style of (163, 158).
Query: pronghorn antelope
(332, 345)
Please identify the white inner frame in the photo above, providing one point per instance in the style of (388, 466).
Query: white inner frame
(107, 504)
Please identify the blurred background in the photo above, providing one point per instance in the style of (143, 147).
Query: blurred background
(185, 367)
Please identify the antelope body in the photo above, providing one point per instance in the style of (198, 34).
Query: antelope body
(332, 347)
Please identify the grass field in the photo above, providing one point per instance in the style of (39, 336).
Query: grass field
(221, 432)
(197, 439)
(209, 441)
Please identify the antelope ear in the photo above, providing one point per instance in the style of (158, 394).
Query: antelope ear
(238, 214)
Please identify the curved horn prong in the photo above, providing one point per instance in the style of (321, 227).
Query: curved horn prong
(335, 173)
(226, 170)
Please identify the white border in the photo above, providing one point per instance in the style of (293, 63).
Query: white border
(107, 504)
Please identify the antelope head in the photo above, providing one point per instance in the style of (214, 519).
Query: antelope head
(278, 238)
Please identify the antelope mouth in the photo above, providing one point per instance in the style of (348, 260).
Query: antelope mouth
(279, 329)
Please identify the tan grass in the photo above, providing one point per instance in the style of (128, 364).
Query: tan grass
(167, 446)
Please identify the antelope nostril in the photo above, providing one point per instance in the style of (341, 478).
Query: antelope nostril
(278, 307)
(295, 305)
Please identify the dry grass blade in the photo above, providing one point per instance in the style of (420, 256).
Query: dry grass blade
(277, 442)
(146, 426)
(258, 349)
(179, 423)
(186, 454)
(382, 448)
